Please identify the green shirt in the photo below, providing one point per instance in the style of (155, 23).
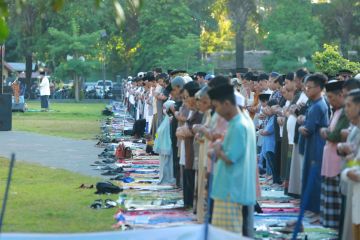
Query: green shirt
(237, 181)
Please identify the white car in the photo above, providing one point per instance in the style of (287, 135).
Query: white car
(100, 84)
(99, 87)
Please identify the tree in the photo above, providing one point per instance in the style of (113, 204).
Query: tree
(123, 43)
(27, 27)
(58, 14)
(161, 21)
(186, 59)
(120, 55)
(293, 34)
(239, 12)
(76, 53)
(4, 31)
(201, 13)
(330, 61)
(290, 51)
(341, 20)
(220, 39)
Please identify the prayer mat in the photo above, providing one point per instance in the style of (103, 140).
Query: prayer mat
(277, 205)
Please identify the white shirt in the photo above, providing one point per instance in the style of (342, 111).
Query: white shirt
(302, 99)
(44, 87)
(356, 194)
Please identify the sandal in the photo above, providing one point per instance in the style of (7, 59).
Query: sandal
(97, 204)
(110, 203)
(86, 187)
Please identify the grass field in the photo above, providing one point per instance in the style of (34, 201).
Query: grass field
(73, 120)
(49, 200)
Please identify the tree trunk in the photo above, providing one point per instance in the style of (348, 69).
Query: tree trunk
(239, 11)
(28, 70)
(345, 21)
(240, 47)
(76, 82)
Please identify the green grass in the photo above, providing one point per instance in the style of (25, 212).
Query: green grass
(49, 200)
(72, 120)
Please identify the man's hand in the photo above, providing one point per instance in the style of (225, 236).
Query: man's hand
(324, 133)
(216, 136)
(217, 146)
(344, 134)
(292, 109)
(180, 133)
(301, 119)
(281, 121)
(354, 175)
(344, 148)
(303, 131)
(198, 128)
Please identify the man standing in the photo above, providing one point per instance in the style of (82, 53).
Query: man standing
(175, 88)
(44, 88)
(316, 118)
(235, 170)
(331, 165)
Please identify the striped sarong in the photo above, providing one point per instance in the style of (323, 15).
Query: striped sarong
(227, 215)
(330, 204)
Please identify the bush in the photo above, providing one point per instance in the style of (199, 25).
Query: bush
(330, 61)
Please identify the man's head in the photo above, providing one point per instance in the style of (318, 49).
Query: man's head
(276, 83)
(189, 92)
(254, 84)
(263, 80)
(352, 106)
(288, 92)
(289, 81)
(223, 99)
(177, 84)
(264, 98)
(161, 79)
(269, 110)
(299, 77)
(246, 79)
(157, 71)
(175, 73)
(41, 73)
(219, 80)
(335, 94)
(351, 84)
(203, 101)
(315, 83)
(200, 77)
(344, 74)
(240, 72)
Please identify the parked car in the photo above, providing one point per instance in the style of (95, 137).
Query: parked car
(100, 89)
(108, 84)
(90, 90)
(89, 86)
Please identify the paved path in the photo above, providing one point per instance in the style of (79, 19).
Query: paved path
(49, 151)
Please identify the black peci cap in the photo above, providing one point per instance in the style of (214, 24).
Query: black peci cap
(334, 85)
(220, 91)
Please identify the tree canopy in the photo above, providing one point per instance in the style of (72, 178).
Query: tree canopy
(172, 34)
(292, 34)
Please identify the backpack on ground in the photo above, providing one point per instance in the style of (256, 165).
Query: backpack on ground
(107, 187)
